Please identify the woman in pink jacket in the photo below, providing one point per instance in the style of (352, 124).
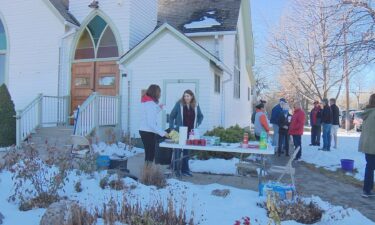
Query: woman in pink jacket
(296, 127)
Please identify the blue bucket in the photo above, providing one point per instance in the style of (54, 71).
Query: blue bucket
(103, 161)
(347, 164)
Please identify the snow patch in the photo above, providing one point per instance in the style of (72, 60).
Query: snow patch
(205, 22)
(214, 166)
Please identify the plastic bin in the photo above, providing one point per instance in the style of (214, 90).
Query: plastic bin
(347, 164)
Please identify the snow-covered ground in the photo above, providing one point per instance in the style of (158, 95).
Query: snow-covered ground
(214, 166)
(347, 149)
(208, 209)
(119, 149)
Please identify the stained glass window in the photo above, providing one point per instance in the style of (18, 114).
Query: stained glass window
(85, 48)
(97, 41)
(108, 45)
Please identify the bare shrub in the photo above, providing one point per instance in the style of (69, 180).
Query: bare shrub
(117, 184)
(78, 187)
(87, 164)
(152, 175)
(36, 184)
(221, 193)
(103, 183)
(156, 213)
(110, 136)
(299, 210)
(128, 141)
(11, 157)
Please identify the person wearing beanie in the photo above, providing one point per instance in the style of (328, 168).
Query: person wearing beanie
(275, 114)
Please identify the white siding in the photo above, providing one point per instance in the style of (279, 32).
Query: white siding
(216, 99)
(237, 111)
(143, 19)
(33, 49)
(207, 42)
(169, 58)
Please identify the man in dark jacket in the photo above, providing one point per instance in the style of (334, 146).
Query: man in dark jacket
(335, 120)
(284, 122)
(316, 123)
(326, 124)
(275, 114)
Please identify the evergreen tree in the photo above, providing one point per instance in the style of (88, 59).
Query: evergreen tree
(7, 119)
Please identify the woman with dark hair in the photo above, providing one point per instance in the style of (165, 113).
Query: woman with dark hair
(149, 127)
(367, 146)
(186, 113)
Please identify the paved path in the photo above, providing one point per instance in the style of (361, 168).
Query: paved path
(308, 182)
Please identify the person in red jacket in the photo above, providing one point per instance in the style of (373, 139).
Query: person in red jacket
(296, 127)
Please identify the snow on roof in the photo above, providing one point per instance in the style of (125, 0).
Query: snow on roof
(202, 23)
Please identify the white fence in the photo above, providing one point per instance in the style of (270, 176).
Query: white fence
(43, 110)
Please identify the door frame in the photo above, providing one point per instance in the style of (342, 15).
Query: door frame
(164, 93)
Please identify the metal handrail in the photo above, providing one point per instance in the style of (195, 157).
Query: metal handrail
(41, 110)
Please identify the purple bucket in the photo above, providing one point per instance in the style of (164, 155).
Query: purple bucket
(347, 164)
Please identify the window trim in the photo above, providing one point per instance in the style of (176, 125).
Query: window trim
(216, 75)
(6, 51)
(237, 92)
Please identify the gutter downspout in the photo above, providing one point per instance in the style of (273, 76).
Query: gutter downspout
(128, 76)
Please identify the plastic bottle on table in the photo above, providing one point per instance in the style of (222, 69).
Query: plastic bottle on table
(263, 140)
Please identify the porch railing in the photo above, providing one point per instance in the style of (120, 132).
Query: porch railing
(43, 110)
(97, 110)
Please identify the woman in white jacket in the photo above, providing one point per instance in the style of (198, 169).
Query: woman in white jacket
(149, 127)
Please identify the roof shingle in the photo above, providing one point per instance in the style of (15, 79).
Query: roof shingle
(181, 12)
(63, 7)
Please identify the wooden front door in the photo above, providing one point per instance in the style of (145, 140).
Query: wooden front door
(88, 77)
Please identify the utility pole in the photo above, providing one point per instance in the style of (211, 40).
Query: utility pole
(346, 74)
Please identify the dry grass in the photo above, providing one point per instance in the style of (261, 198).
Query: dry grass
(338, 175)
(153, 175)
(299, 210)
(152, 214)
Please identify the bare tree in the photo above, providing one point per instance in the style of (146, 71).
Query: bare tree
(360, 25)
(308, 47)
(261, 83)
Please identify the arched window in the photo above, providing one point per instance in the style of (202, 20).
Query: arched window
(3, 51)
(97, 41)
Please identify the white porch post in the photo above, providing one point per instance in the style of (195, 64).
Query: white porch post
(18, 128)
(40, 109)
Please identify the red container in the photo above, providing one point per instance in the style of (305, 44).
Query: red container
(189, 142)
(196, 142)
(245, 138)
(203, 142)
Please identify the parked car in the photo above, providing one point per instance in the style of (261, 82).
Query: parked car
(357, 120)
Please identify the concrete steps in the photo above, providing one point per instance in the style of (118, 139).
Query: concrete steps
(58, 136)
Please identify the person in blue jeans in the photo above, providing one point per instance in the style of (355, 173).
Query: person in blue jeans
(326, 124)
(186, 113)
(277, 110)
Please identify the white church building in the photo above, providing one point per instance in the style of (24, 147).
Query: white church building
(56, 55)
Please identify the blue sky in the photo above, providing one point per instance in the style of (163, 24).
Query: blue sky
(266, 15)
